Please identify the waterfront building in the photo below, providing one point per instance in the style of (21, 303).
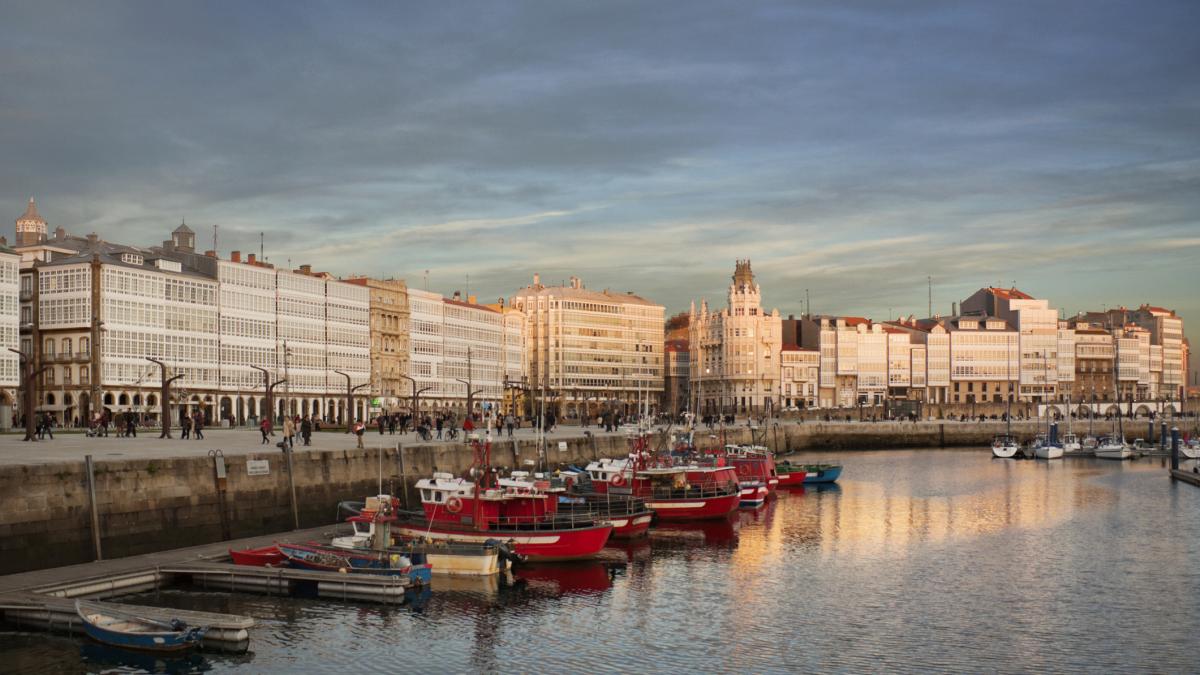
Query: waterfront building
(588, 350)
(456, 342)
(1037, 327)
(10, 311)
(389, 341)
(94, 312)
(1094, 353)
(676, 395)
(799, 376)
(735, 352)
(985, 358)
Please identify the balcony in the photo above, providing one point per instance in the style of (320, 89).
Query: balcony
(83, 357)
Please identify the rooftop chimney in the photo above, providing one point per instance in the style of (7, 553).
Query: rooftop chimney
(250, 259)
(210, 254)
(471, 299)
(93, 238)
(306, 269)
(60, 233)
(235, 256)
(457, 295)
(537, 279)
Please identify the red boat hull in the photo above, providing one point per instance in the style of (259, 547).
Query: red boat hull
(700, 508)
(793, 479)
(630, 527)
(258, 557)
(540, 545)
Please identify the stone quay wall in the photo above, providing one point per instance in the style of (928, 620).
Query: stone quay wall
(154, 505)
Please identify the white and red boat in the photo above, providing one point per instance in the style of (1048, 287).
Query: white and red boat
(629, 516)
(673, 491)
(476, 510)
(756, 473)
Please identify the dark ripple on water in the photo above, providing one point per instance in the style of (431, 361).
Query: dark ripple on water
(919, 562)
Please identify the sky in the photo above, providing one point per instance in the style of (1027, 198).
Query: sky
(855, 150)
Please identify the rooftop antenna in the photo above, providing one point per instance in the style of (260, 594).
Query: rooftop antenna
(425, 280)
(807, 304)
(261, 237)
(215, 227)
(929, 279)
(468, 285)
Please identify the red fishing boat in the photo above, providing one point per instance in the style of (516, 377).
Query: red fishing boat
(629, 516)
(674, 490)
(476, 510)
(753, 463)
(266, 556)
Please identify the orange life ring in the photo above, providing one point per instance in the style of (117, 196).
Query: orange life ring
(617, 479)
(454, 505)
(743, 469)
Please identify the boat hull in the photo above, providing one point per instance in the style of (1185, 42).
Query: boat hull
(630, 527)
(536, 545)
(324, 559)
(792, 478)
(267, 556)
(1005, 451)
(829, 475)
(698, 508)
(1048, 452)
(107, 630)
(1113, 453)
(753, 496)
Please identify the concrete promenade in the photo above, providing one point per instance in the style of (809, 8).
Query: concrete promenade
(72, 447)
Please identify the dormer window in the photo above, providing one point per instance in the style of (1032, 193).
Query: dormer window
(132, 258)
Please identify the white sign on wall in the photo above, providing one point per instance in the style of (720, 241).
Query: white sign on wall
(562, 446)
(257, 467)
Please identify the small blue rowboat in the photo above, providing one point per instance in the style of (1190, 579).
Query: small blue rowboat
(113, 625)
(822, 473)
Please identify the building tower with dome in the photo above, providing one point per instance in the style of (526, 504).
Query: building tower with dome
(31, 227)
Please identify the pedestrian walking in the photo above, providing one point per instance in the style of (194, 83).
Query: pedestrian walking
(198, 425)
(509, 422)
(265, 427)
(359, 428)
(130, 424)
(439, 427)
(185, 427)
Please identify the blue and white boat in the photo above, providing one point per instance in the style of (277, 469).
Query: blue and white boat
(113, 625)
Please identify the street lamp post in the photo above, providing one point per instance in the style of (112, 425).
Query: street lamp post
(29, 392)
(416, 399)
(270, 389)
(350, 389)
(165, 397)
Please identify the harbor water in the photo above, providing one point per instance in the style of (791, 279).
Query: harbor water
(916, 561)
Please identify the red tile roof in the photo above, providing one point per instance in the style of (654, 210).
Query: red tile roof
(855, 320)
(1009, 293)
(677, 345)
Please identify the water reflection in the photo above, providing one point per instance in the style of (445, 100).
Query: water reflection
(915, 561)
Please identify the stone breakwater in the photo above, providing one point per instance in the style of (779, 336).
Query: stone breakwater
(148, 505)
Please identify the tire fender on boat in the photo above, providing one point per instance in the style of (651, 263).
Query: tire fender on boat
(454, 505)
(617, 479)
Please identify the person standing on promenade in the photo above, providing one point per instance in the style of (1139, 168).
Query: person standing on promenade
(439, 427)
(359, 428)
(198, 425)
(130, 424)
(185, 427)
(306, 430)
(509, 422)
(289, 431)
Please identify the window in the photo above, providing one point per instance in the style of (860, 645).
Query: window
(83, 375)
(49, 349)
